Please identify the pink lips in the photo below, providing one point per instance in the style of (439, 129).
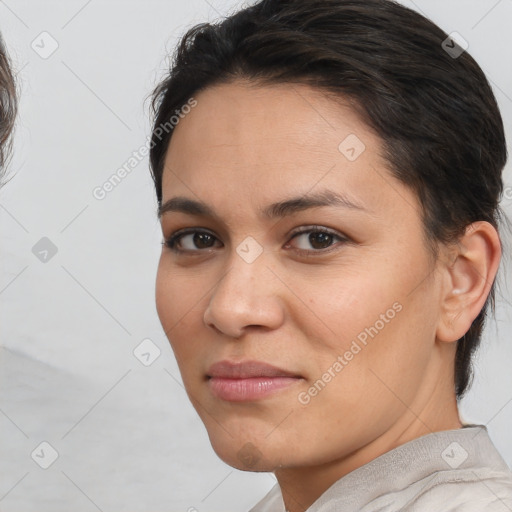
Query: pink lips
(247, 381)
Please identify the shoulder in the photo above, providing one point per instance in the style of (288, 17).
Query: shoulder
(469, 490)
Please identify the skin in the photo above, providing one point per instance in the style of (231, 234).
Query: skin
(241, 148)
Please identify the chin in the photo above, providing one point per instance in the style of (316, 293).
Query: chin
(244, 455)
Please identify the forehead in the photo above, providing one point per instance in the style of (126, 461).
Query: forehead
(254, 142)
(245, 119)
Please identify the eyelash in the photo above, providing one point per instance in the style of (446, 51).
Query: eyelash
(174, 239)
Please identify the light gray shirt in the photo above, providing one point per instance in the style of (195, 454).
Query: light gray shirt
(450, 471)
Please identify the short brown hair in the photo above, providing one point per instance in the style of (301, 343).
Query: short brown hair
(8, 105)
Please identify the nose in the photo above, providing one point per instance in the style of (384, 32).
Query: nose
(246, 296)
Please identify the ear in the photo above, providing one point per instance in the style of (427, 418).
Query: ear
(468, 278)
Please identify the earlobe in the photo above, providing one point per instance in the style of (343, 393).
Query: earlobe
(468, 279)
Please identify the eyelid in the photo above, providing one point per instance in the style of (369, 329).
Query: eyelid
(317, 228)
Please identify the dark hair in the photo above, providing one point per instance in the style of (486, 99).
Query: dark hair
(434, 111)
(8, 105)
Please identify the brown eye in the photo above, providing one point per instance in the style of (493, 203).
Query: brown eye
(189, 241)
(203, 240)
(320, 240)
(316, 240)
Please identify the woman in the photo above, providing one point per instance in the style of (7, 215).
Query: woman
(328, 193)
(7, 105)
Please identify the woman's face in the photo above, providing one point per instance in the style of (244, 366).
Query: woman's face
(342, 296)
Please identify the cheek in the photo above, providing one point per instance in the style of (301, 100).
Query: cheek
(177, 293)
(164, 297)
(370, 318)
(175, 305)
(342, 303)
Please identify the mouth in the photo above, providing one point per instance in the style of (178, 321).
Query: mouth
(248, 380)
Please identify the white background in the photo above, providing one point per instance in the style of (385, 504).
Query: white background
(126, 435)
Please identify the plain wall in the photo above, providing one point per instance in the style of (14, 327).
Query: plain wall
(126, 435)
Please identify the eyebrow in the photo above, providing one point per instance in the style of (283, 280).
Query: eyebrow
(272, 211)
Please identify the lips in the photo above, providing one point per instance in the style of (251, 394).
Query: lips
(247, 370)
(248, 381)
